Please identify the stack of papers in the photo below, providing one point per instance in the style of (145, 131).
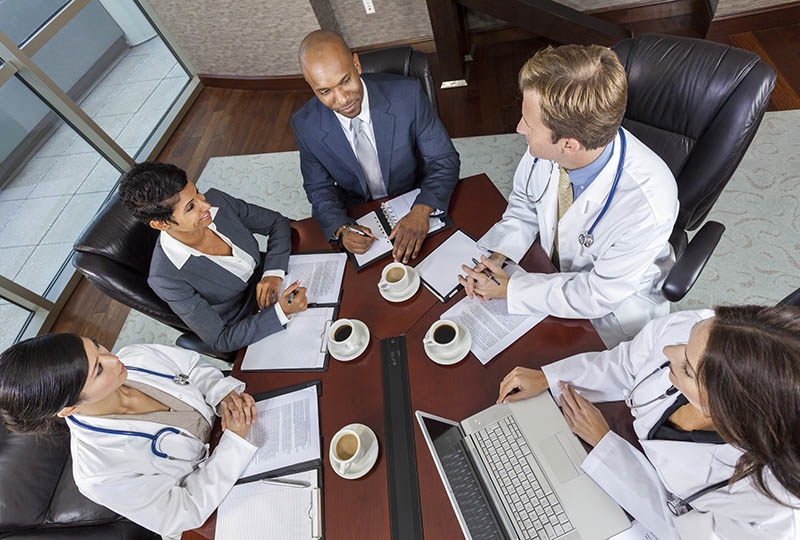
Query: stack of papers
(271, 510)
(492, 328)
(320, 273)
(303, 345)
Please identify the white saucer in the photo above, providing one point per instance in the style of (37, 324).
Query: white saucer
(358, 352)
(357, 470)
(459, 354)
(411, 290)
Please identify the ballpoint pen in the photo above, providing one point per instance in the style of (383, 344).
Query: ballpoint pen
(292, 295)
(287, 483)
(486, 272)
(354, 230)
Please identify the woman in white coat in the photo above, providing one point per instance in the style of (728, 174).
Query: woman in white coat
(167, 485)
(573, 102)
(716, 403)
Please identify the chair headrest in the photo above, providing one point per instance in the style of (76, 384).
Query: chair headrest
(115, 234)
(697, 104)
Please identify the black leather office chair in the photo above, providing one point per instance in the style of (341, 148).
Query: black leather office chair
(791, 300)
(113, 252)
(697, 104)
(39, 498)
(401, 61)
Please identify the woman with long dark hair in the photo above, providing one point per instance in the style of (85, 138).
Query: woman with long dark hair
(715, 397)
(139, 424)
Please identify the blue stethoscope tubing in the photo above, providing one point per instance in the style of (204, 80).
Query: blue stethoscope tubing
(180, 379)
(587, 239)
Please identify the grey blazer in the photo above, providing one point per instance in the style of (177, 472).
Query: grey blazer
(215, 304)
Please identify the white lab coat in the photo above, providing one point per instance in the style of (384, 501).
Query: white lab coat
(617, 281)
(163, 495)
(640, 482)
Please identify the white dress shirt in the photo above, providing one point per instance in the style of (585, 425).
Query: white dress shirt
(365, 117)
(239, 263)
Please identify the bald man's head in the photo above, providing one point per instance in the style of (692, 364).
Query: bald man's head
(332, 72)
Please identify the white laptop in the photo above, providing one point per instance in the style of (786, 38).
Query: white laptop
(512, 471)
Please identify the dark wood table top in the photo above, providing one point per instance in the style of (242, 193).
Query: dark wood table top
(352, 391)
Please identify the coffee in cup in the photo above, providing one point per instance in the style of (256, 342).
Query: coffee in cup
(345, 337)
(394, 278)
(347, 449)
(443, 337)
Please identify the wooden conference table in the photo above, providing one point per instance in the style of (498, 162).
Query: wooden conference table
(352, 391)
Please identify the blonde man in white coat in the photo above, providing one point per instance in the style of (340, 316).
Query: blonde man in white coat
(168, 486)
(573, 103)
(715, 397)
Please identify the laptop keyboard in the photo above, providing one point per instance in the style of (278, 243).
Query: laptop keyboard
(533, 504)
(471, 500)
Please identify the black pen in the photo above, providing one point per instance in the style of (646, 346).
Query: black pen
(486, 272)
(293, 294)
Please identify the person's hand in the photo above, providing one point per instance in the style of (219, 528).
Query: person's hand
(410, 233)
(469, 283)
(238, 415)
(298, 303)
(354, 242)
(267, 291)
(481, 286)
(584, 419)
(521, 383)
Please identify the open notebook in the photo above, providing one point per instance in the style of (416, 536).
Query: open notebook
(381, 222)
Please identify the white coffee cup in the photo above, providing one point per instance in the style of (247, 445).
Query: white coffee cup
(443, 337)
(347, 449)
(394, 278)
(344, 337)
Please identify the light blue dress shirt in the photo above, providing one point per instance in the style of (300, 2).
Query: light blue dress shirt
(581, 178)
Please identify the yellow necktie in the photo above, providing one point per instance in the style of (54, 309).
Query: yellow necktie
(564, 202)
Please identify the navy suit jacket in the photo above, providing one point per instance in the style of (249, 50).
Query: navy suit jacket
(414, 150)
(215, 304)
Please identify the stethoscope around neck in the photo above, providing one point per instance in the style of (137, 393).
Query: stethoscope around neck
(676, 505)
(586, 239)
(157, 438)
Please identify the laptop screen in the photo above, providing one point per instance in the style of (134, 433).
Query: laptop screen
(465, 484)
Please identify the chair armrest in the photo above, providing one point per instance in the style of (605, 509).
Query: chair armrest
(194, 343)
(791, 300)
(694, 258)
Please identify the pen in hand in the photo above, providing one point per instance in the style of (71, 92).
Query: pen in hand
(291, 297)
(357, 231)
(486, 271)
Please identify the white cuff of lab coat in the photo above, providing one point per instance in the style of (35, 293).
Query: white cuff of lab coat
(282, 317)
(239, 441)
(224, 386)
(597, 457)
(551, 374)
(273, 273)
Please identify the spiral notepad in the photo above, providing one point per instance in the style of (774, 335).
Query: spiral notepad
(382, 222)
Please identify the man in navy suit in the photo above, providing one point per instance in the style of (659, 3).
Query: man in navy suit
(367, 136)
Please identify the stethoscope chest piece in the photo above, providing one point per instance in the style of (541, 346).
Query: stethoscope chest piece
(586, 239)
(181, 379)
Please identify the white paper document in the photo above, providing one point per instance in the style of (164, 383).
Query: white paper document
(286, 431)
(490, 325)
(320, 273)
(264, 510)
(636, 532)
(380, 246)
(399, 207)
(302, 345)
(439, 270)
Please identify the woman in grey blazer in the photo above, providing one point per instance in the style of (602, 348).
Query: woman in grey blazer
(206, 264)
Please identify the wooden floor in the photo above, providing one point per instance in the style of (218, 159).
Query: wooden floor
(225, 122)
